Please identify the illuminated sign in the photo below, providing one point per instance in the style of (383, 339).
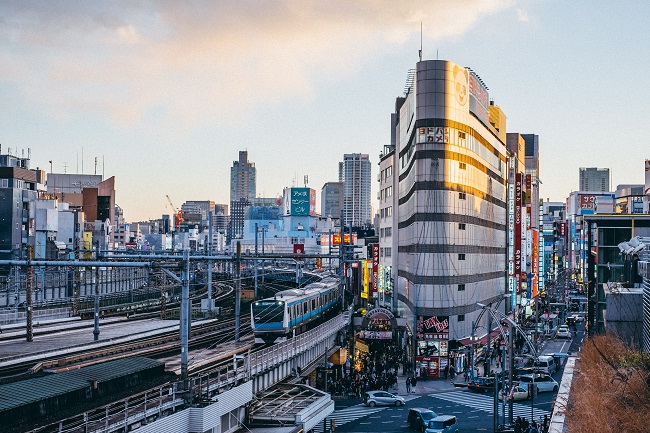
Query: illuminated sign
(433, 135)
(479, 100)
(375, 269)
(302, 201)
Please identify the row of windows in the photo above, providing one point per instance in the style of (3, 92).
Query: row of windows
(385, 252)
(388, 172)
(386, 193)
(15, 183)
(386, 232)
(386, 212)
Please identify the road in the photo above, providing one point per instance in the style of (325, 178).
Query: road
(475, 412)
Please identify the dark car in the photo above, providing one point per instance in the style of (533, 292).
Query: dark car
(481, 384)
(418, 418)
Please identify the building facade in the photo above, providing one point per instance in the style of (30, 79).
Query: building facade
(242, 191)
(331, 199)
(594, 179)
(355, 173)
(243, 178)
(448, 207)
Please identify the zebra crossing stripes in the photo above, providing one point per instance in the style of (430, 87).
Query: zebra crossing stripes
(353, 413)
(486, 403)
(349, 414)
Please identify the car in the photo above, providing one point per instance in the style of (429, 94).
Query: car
(481, 384)
(418, 418)
(544, 382)
(571, 321)
(376, 398)
(563, 332)
(545, 364)
(442, 424)
(516, 394)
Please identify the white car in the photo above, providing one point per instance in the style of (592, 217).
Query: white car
(377, 398)
(563, 332)
(544, 382)
(517, 393)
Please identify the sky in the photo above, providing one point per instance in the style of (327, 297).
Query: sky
(164, 94)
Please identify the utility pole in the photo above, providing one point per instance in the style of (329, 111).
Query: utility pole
(96, 312)
(210, 305)
(237, 290)
(488, 353)
(185, 295)
(30, 290)
(255, 267)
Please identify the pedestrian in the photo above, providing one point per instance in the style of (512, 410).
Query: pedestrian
(518, 425)
(533, 428)
(414, 382)
(408, 384)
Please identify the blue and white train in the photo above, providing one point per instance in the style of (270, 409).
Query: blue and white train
(291, 312)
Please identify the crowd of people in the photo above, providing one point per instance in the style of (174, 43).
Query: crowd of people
(377, 370)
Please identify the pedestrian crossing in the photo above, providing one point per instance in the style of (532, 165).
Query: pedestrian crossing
(353, 413)
(486, 403)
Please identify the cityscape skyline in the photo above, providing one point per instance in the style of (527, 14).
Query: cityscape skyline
(167, 95)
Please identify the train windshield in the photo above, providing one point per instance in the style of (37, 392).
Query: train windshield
(268, 311)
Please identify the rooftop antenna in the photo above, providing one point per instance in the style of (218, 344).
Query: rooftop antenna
(420, 52)
(306, 179)
(95, 165)
(103, 161)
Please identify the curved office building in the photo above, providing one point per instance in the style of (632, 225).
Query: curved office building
(450, 161)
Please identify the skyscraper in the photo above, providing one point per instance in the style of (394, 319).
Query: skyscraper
(446, 202)
(242, 191)
(594, 179)
(242, 178)
(354, 172)
(331, 199)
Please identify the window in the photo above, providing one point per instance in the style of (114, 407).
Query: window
(461, 317)
(461, 287)
(462, 195)
(389, 232)
(461, 256)
(381, 252)
(388, 252)
(382, 232)
(389, 211)
(461, 226)
(461, 135)
(462, 166)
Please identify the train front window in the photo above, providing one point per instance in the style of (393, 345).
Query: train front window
(268, 311)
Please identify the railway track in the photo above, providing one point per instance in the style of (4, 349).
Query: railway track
(161, 343)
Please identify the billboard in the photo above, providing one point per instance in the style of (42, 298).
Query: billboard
(300, 201)
(432, 328)
(518, 225)
(336, 239)
(479, 100)
(375, 269)
(587, 204)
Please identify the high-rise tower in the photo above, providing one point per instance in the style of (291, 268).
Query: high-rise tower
(445, 200)
(354, 172)
(242, 191)
(594, 179)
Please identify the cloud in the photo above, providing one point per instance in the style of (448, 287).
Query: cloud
(522, 16)
(200, 61)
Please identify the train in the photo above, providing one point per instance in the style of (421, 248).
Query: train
(293, 311)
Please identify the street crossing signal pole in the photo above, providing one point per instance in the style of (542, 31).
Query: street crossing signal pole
(96, 312)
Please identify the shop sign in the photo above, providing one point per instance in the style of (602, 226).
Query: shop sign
(376, 335)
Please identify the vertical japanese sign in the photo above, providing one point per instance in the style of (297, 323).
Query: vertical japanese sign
(518, 224)
(375, 269)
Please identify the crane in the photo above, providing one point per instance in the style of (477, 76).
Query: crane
(178, 213)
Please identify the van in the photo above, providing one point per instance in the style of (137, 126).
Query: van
(546, 364)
